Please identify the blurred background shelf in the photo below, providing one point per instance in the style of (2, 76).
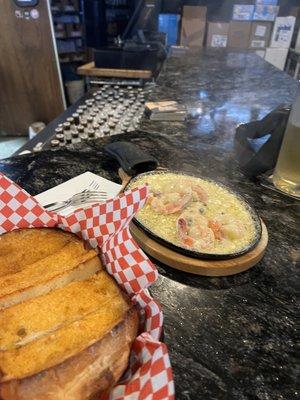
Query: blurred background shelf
(67, 18)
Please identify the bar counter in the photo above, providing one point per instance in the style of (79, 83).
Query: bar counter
(231, 337)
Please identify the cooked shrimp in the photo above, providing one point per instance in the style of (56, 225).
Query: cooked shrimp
(193, 230)
(199, 194)
(175, 198)
(224, 227)
(187, 186)
(169, 203)
(197, 191)
(232, 231)
(216, 227)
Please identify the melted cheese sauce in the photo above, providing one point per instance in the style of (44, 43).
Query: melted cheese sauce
(220, 203)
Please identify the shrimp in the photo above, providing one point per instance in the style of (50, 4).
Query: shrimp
(197, 191)
(233, 230)
(193, 230)
(224, 227)
(188, 186)
(169, 203)
(199, 194)
(216, 227)
(175, 198)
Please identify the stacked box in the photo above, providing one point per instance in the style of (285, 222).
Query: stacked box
(239, 34)
(260, 34)
(193, 26)
(243, 12)
(217, 35)
(265, 12)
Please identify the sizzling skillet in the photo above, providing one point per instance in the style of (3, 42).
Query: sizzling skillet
(133, 162)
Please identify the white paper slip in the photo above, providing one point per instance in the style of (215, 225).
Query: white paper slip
(260, 30)
(75, 185)
(218, 40)
(258, 43)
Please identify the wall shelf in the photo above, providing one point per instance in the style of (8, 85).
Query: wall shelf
(71, 50)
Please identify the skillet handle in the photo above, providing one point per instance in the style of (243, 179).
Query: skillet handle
(125, 179)
(131, 158)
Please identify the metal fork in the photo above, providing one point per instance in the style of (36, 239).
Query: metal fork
(77, 198)
(92, 186)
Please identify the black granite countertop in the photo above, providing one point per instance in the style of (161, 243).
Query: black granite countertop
(233, 337)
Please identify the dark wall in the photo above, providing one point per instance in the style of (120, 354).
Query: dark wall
(220, 10)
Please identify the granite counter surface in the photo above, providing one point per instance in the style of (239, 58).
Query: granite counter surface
(232, 337)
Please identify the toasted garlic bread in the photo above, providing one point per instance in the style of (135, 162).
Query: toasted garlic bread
(68, 263)
(63, 343)
(89, 373)
(17, 250)
(66, 328)
(40, 316)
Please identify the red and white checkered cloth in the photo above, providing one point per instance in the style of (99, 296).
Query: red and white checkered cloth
(106, 226)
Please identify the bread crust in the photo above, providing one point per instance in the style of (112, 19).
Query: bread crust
(91, 372)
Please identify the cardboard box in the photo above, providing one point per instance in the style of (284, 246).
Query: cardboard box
(260, 34)
(193, 26)
(283, 32)
(265, 13)
(217, 35)
(277, 57)
(239, 34)
(242, 12)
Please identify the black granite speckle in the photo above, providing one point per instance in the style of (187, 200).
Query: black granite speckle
(232, 337)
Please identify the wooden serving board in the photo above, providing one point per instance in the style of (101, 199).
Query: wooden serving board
(200, 266)
(90, 70)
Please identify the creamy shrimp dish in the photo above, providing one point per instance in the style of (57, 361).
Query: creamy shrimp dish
(196, 214)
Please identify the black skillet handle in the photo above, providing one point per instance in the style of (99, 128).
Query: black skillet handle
(131, 158)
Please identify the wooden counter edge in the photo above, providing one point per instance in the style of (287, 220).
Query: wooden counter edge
(89, 69)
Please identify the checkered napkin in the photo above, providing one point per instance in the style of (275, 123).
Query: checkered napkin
(105, 225)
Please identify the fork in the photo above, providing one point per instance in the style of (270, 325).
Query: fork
(93, 185)
(91, 188)
(78, 199)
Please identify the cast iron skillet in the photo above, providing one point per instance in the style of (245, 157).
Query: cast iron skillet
(135, 155)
